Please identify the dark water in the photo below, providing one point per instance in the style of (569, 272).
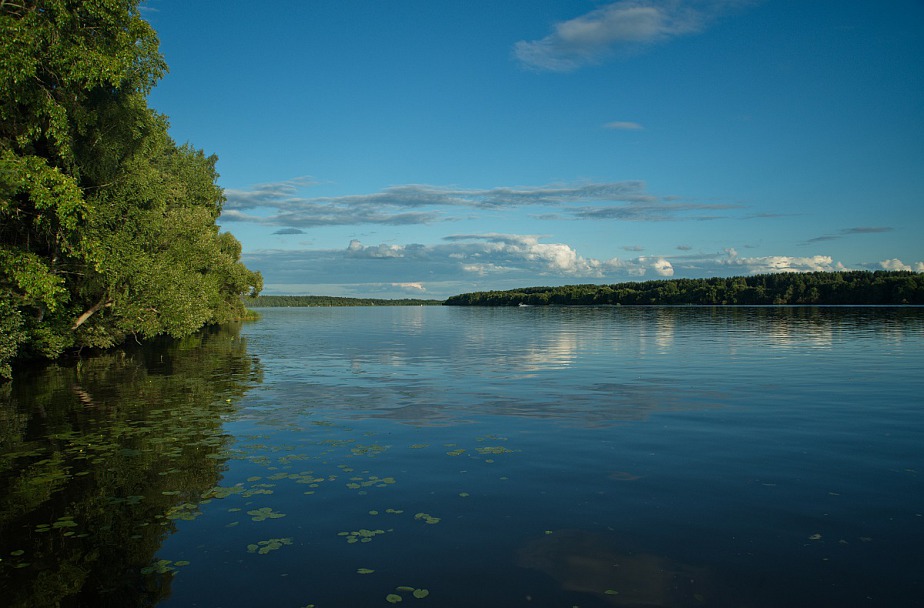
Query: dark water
(456, 457)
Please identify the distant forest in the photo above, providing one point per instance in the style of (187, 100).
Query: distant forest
(815, 288)
(302, 301)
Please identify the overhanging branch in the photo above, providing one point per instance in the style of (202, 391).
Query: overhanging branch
(89, 312)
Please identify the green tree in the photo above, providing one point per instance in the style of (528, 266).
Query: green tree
(107, 227)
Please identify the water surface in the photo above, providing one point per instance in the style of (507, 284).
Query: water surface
(451, 457)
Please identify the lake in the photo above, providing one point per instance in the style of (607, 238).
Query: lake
(476, 457)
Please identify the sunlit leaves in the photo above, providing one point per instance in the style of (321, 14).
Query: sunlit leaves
(108, 227)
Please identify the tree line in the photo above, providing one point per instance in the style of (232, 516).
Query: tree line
(303, 301)
(813, 288)
(107, 226)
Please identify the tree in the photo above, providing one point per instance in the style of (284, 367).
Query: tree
(107, 227)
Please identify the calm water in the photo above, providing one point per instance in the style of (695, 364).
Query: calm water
(459, 457)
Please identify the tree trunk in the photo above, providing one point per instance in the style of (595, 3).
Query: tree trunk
(89, 313)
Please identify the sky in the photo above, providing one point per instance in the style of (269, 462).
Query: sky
(426, 148)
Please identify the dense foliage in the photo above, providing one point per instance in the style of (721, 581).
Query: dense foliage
(814, 288)
(302, 301)
(107, 226)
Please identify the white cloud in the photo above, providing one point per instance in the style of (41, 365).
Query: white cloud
(663, 268)
(896, 264)
(483, 269)
(624, 25)
(410, 286)
(358, 250)
(638, 267)
(780, 263)
(481, 262)
(623, 126)
(513, 249)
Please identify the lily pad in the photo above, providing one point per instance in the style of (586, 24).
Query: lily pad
(265, 546)
(427, 518)
(264, 513)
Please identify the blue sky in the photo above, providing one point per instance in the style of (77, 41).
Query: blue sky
(424, 148)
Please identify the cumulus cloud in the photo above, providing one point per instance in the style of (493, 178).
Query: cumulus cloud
(413, 287)
(282, 205)
(513, 249)
(896, 264)
(357, 250)
(663, 268)
(620, 26)
(778, 263)
(480, 262)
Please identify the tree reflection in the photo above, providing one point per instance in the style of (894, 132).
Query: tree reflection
(100, 456)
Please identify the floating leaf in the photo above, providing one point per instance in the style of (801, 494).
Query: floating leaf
(393, 598)
(404, 588)
(264, 513)
(361, 536)
(65, 523)
(498, 449)
(364, 571)
(427, 518)
(265, 546)
(611, 592)
(420, 593)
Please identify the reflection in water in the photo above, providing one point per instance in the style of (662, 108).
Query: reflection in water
(100, 457)
(426, 366)
(676, 457)
(556, 352)
(581, 561)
